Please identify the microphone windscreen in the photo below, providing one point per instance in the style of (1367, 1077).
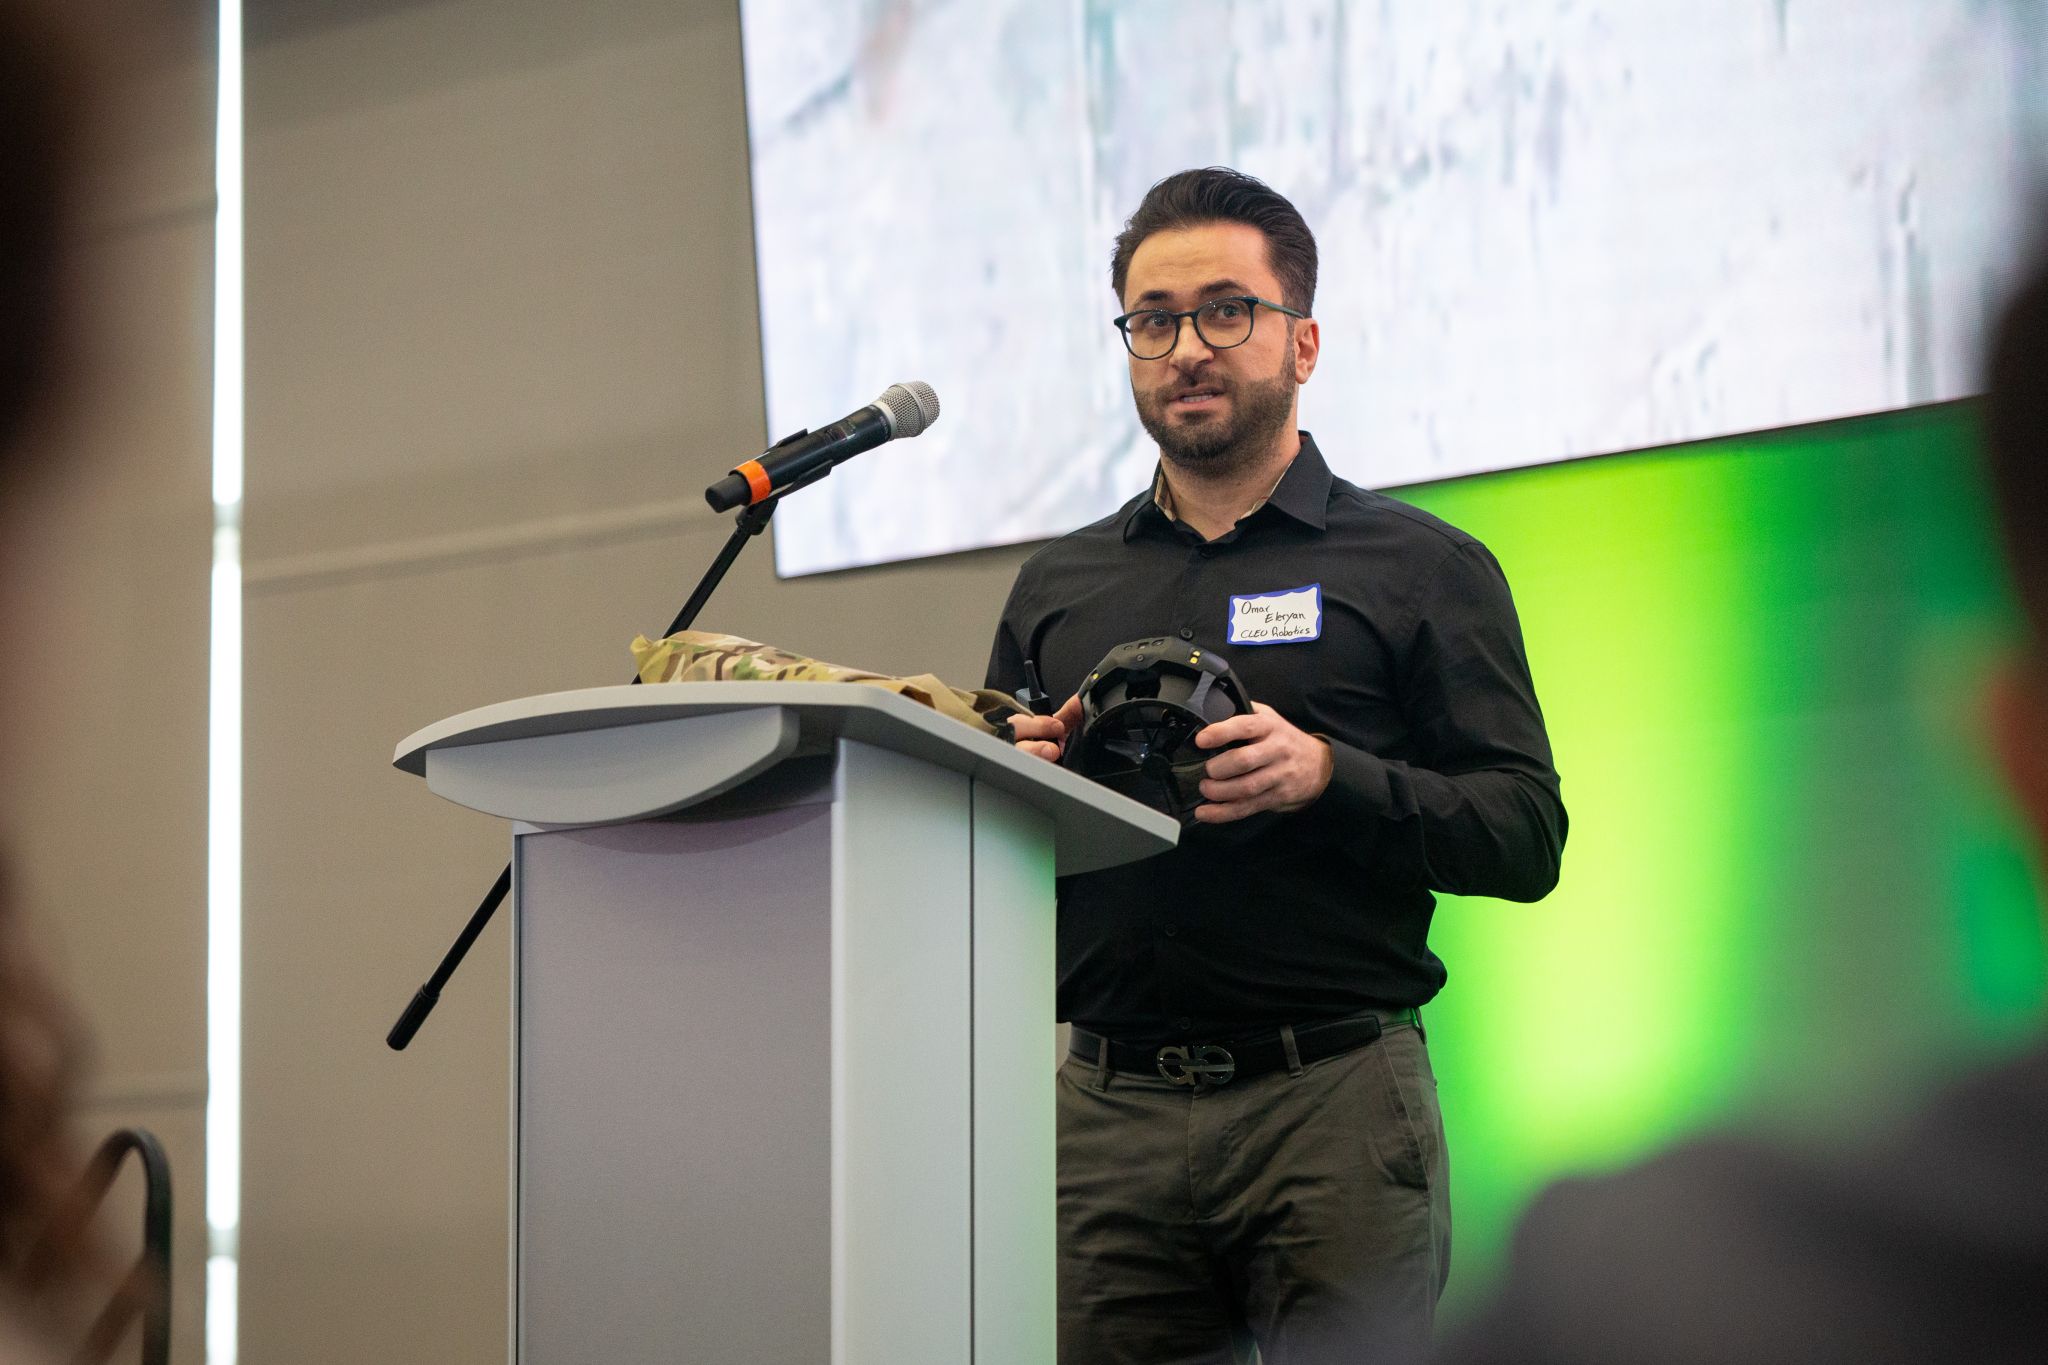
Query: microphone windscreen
(910, 407)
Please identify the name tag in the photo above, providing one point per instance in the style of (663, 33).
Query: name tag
(1277, 618)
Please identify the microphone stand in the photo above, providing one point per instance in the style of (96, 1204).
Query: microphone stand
(752, 520)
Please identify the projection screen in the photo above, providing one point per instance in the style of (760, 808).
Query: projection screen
(1548, 230)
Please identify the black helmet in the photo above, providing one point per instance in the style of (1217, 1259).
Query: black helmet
(1140, 709)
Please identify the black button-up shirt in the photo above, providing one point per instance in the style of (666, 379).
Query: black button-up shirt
(1442, 777)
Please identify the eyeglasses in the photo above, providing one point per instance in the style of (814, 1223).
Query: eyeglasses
(1152, 333)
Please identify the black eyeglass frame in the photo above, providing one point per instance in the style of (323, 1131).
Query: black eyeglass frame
(1123, 324)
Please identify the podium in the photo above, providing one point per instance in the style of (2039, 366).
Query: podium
(782, 995)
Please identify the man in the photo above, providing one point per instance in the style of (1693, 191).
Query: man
(1396, 750)
(1929, 1243)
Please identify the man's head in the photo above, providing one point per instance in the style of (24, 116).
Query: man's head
(1198, 237)
(2016, 455)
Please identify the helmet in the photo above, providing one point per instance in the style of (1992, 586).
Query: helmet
(1140, 709)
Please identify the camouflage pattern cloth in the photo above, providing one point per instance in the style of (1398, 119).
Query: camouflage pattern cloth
(703, 656)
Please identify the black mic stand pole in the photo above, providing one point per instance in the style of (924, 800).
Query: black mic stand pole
(752, 520)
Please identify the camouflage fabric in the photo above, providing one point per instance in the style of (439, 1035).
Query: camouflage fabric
(703, 656)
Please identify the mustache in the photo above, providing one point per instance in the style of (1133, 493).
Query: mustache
(1181, 388)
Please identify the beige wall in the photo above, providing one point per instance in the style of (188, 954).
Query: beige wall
(502, 331)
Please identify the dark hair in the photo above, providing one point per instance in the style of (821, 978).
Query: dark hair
(37, 144)
(1217, 194)
(2016, 442)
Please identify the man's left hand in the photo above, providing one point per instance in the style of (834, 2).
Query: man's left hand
(1279, 768)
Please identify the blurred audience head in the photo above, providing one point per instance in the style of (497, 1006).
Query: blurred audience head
(40, 120)
(2016, 443)
(45, 1250)
(2016, 456)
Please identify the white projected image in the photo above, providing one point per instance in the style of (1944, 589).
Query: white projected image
(1548, 229)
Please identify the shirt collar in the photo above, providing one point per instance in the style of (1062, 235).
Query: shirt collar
(1303, 493)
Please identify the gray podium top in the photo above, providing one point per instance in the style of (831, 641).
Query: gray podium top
(606, 755)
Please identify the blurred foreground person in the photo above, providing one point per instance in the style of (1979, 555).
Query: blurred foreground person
(1929, 1244)
(49, 1270)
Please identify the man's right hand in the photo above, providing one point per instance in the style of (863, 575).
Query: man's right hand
(1046, 736)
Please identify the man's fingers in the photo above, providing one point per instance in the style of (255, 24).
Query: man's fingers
(1223, 812)
(1230, 731)
(1245, 788)
(1244, 759)
(1043, 736)
(1037, 727)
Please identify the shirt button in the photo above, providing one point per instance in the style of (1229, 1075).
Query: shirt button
(1182, 1022)
(1187, 633)
(1170, 930)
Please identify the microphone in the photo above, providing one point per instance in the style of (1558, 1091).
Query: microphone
(902, 410)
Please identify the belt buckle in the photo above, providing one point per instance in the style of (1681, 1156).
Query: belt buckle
(1204, 1065)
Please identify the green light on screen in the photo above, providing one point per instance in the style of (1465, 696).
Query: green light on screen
(1789, 882)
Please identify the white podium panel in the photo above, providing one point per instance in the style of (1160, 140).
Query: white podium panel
(901, 1042)
(673, 1181)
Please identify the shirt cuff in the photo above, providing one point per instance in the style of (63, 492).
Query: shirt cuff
(1358, 797)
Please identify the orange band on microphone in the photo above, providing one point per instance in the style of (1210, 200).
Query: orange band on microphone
(757, 479)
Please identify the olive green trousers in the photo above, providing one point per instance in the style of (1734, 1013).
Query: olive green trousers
(1298, 1218)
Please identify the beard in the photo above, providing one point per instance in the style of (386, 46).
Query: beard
(1216, 447)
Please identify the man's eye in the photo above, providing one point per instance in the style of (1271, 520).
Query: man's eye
(1152, 322)
(1228, 310)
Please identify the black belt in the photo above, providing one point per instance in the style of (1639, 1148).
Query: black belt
(1218, 1063)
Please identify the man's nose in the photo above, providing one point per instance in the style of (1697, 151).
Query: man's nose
(1189, 350)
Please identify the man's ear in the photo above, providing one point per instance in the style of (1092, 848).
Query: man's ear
(1308, 344)
(2016, 712)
